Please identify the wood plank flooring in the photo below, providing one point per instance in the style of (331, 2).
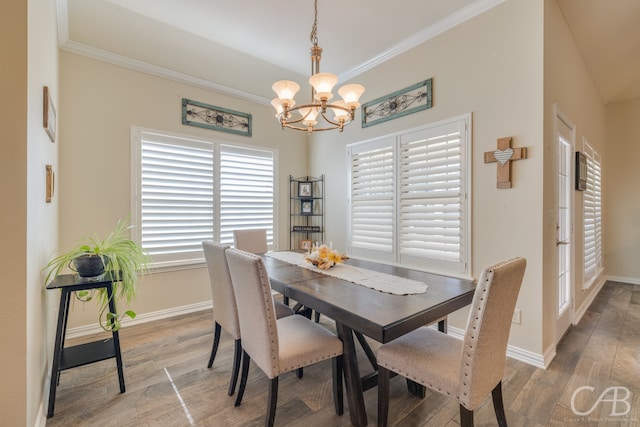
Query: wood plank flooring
(168, 383)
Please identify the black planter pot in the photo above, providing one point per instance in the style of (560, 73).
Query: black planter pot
(89, 265)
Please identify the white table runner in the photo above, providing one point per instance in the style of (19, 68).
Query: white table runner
(372, 279)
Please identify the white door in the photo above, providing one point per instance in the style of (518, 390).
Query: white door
(564, 223)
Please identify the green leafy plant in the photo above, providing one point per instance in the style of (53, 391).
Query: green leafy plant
(122, 258)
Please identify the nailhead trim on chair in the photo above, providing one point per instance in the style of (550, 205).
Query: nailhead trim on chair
(272, 333)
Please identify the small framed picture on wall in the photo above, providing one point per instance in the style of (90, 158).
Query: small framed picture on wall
(49, 114)
(581, 171)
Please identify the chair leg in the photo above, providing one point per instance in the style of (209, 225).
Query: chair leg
(216, 341)
(383, 396)
(498, 406)
(442, 326)
(337, 368)
(273, 400)
(237, 356)
(243, 378)
(466, 417)
(317, 316)
(299, 372)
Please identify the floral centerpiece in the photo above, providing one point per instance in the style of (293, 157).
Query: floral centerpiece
(324, 257)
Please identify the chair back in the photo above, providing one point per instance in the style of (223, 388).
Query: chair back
(485, 341)
(251, 240)
(256, 310)
(224, 300)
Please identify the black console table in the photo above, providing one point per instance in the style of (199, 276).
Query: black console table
(79, 355)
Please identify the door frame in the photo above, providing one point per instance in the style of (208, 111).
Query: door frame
(562, 324)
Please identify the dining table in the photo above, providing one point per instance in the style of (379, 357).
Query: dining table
(360, 311)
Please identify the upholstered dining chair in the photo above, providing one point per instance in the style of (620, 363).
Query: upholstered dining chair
(467, 369)
(225, 313)
(275, 345)
(251, 240)
(254, 240)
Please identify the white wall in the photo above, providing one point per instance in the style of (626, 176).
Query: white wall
(490, 66)
(99, 105)
(42, 217)
(621, 198)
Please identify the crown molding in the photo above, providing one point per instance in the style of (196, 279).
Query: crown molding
(154, 70)
(111, 58)
(474, 9)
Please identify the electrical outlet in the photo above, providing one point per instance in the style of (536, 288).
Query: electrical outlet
(517, 316)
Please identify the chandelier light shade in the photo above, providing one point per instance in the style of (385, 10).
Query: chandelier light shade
(314, 116)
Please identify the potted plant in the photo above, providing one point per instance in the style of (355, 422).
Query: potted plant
(116, 255)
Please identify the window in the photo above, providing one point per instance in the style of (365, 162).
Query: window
(409, 201)
(592, 217)
(186, 190)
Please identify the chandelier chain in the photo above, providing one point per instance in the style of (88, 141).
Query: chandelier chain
(314, 29)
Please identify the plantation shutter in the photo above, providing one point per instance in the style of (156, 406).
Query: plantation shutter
(246, 191)
(176, 197)
(592, 212)
(431, 195)
(372, 197)
(409, 197)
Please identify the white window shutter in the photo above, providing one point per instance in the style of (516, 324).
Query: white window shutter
(431, 195)
(176, 197)
(372, 197)
(592, 216)
(186, 190)
(409, 201)
(246, 191)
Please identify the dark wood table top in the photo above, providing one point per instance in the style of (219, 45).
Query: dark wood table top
(379, 315)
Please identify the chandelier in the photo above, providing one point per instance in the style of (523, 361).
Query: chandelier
(306, 117)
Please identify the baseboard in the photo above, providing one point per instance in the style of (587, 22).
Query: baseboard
(142, 318)
(41, 421)
(597, 287)
(526, 356)
(632, 280)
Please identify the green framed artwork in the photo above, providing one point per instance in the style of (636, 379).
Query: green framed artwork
(409, 100)
(207, 116)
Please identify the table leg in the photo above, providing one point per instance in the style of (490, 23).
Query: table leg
(116, 339)
(63, 310)
(355, 397)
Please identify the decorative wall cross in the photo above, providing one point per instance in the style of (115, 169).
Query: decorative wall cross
(504, 155)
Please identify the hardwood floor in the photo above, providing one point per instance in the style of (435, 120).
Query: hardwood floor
(168, 383)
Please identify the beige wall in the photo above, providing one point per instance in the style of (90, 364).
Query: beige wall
(99, 105)
(568, 85)
(490, 66)
(13, 245)
(621, 198)
(29, 225)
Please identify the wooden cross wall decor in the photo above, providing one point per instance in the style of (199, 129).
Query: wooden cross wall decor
(504, 155)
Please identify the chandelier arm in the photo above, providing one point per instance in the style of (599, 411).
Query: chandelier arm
(314, 129)
(337, 124)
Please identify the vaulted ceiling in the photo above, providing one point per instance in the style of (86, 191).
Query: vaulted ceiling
(243, 46)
